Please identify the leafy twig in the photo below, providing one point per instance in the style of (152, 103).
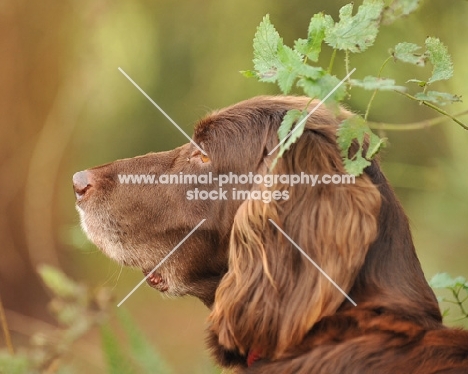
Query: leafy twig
(455, 286)
(456, 294)
(355, 32)
(436, 108)
(413, 125)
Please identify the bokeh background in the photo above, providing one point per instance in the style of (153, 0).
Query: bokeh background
(65, 107)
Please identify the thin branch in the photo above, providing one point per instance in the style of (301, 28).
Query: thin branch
(374, 94)
(347, 65)
(436, 108)
(6, 332)
(332, 61)
(413, 125)
(456, 294)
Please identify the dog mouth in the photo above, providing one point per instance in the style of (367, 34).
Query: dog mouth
(156, 280)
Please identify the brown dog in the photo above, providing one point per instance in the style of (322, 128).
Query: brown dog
(272, 310)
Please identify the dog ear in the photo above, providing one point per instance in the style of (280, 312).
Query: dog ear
(272, 294)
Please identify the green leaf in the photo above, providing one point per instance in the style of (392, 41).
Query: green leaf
(319, 88)
(439, 57)
(407, 52)
(249, 73)
(273, 61)
(442, 280)
(58, 282)
(460, 281)
(312, 46)
(399, 8)
(141, 349)
(311, 72)
(441, 98)
(293, 117)
(265, 44)
(375, 83)
(352, 129)
(117, 361)
(420, 83)
(291, 63)
(356, 33)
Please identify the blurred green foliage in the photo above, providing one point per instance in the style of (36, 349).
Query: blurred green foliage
(458, 294)
(77, 309)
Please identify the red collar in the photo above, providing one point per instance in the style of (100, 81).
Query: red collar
(253, 357)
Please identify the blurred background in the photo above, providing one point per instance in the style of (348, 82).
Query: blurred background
(65, 107)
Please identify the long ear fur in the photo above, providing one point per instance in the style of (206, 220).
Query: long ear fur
(272, 295)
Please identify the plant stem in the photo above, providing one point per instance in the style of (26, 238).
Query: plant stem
(456, 294)
(347, 64)
(375, 91)
(413, 125)
(374, 94)
(436, 108)
(332, 61)
(6, 332)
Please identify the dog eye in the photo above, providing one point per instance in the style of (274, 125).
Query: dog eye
(204, 158)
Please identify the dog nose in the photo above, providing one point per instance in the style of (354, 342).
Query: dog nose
(81, 184)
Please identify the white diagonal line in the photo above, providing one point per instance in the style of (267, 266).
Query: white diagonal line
(312, 111)
(162, 111)
(161, 262)
(313, 263)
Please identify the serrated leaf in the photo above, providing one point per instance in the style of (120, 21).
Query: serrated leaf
(321, 87)
(265, 44)
(356, 33)
(311, 72)
(442, 280)
(399, 8)
(291, 120)
(441, 98)
(141, 349)
(375, 83)
(288, 120)
(273, 61)
(291, 62)
(440, 58)
(355, 166)
(312, 46)
(58, 282)
(407, 52)
(375, 145)
(356, 128)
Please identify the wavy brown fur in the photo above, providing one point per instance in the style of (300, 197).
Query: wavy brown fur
(334, 224)
(265, 296)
